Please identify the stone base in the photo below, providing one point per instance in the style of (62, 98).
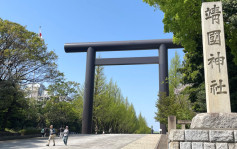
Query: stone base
(202, 139)
(208, 131)
(214, 121)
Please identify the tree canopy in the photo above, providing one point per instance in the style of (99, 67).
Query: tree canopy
(23, 55)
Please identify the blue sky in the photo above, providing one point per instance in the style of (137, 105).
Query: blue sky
(98, 20)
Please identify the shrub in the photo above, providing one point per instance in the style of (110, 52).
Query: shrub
(29, 131)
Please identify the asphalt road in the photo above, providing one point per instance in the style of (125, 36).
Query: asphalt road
(104, 141)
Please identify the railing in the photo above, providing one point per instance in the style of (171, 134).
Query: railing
(183, 123)
(172, 123)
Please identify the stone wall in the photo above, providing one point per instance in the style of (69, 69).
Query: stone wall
(202, 139)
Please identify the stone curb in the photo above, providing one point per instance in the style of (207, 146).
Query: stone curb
(4, 138)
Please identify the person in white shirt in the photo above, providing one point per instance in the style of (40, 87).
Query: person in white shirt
(65, 135)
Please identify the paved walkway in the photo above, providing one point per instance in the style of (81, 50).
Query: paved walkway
(146, 142)
(105, 141)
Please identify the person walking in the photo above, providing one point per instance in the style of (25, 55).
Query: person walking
(61, 132)
(42, 132)
(45, 130)
(51, 135)
(65, 135)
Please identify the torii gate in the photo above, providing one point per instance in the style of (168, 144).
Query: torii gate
(92, 47)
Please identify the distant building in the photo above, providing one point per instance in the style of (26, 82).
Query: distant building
(37, 91)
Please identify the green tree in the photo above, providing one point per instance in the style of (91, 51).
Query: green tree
(12, 105)
(23, 55)
(177, 102)
(59, 110)
(166, 105)
(59, 113)
(174, 75)
(142, 126)
(99, 100)
(77, 107)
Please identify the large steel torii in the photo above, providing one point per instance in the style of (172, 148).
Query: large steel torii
(92, 47)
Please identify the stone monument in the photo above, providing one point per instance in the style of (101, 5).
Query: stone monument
(216, 129)
(215, 67)
(215, 63)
